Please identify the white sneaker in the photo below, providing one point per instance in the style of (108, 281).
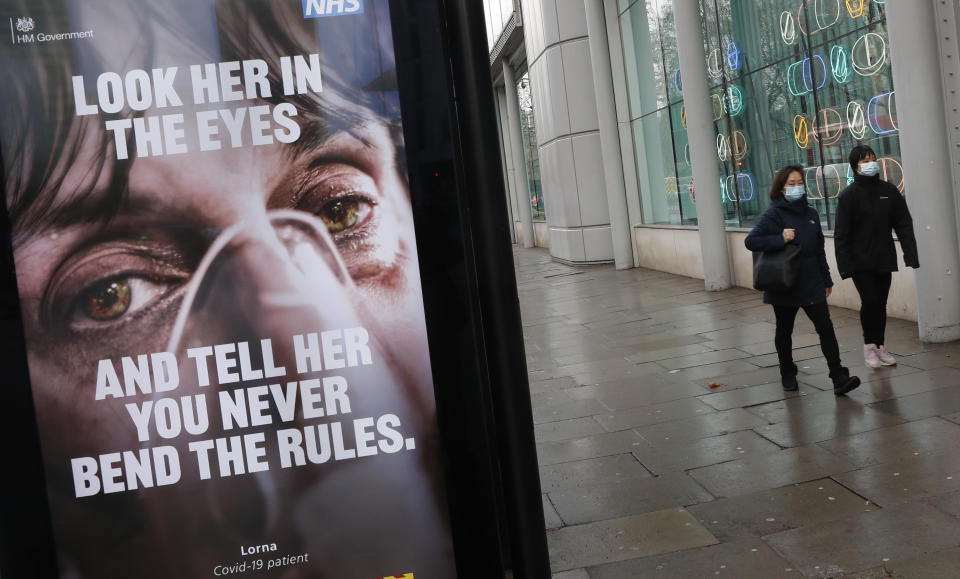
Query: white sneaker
(871, 356)
(885, 357)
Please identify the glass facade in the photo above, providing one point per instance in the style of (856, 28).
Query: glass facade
(531, 154)
(791, 81)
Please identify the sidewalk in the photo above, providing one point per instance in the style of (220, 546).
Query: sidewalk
(648, 471)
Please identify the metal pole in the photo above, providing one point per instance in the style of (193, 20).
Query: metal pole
(609, 134)
(925, 153)
(706, 174)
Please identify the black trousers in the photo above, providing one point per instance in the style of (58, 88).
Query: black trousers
(873, 287)
(819, 314)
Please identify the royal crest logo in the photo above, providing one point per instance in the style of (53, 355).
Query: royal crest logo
(25, 24)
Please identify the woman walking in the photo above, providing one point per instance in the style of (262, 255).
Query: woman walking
(790, 219)
(867, 211)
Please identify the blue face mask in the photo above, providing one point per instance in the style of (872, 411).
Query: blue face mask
(870, 168)
(794, 193)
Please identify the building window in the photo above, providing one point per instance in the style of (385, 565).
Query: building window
(791, 81)
(531, 155)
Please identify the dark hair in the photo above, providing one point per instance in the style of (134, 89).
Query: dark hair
(780, 180)
(859, 153)
(48, 137)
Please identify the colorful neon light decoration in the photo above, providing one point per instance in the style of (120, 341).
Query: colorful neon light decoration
(892, 171)
(806, 73)
(735, 146)
(743, 181)
(856, 119)
(869, 54)
(718, 107)
(677, 81)
(829, 128)
(723, 148)
(807, 179)
(882, 124)
(857, 8)
(835, 184)
(714, 68)
(840, 65)
(788, 29)
(733, 103)
(818, 11)
(733, 56)
(801, 132)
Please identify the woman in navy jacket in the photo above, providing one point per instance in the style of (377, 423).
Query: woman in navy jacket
(790, 219)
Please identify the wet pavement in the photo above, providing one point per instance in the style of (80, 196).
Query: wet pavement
(668, 448)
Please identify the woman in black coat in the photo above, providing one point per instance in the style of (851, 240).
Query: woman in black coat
(867, 211)
(791, 220)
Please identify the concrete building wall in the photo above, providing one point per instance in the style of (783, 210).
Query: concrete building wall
(565, 108)
(677, 250)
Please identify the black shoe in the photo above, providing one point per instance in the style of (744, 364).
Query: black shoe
(789, 383)
(842, 385)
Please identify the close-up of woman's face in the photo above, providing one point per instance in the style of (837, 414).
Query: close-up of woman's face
(229, 246)
(98, 290)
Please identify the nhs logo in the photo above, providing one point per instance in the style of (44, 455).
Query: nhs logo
(323, 8)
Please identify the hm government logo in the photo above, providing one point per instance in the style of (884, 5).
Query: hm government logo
(324, 8)
(25, 24)
(22, 32)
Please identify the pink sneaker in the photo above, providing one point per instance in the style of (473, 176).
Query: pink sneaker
(885, 358)
(871, 356)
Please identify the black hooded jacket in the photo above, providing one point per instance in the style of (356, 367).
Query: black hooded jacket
(867, 211)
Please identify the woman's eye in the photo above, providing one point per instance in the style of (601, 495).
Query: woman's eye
(342, 214)
(108, 300)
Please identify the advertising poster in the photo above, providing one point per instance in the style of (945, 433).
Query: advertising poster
(216, 262)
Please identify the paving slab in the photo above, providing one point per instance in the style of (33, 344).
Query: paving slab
(665, 456)
(776, 510)
(574, 574)
(551, 519)
(703, 359)
(586, 473)
(725, 399)
(551, 384)
(668, 352)
(705, 426)
(948, 503)
(655, 414)
(638, 392)
(714, 371)
(906, 481)
(888, 387)
(752, 377)
(768, 471)
(867, 540)
(588, 447)
(627, 497)
(567, 429)
(897, 442)
(804, 428)
(943, 564)
(566, 411)
(924, 405)
(625, 538)
(550, 398)
(744, 559)
(930, 360)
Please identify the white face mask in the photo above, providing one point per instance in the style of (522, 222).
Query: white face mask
(869, 168)
(794, 193)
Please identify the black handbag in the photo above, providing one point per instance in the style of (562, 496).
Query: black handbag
(776, 271)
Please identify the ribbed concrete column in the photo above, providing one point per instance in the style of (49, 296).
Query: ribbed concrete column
(516, 144)
(706, 174)
(924, 149)
(507, 157)
(609, 134)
